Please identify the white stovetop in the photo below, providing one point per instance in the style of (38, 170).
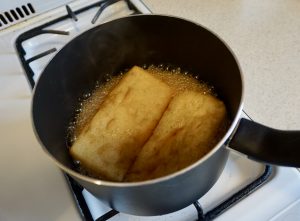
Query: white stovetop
(265, 37)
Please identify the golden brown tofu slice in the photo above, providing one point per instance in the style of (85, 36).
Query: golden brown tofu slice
(109, 144)
(188, 129)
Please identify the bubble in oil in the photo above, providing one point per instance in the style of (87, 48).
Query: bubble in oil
(77, 163)
(78, 110)
(97, 84)
(86, 95)
(72, 123)
(78, 166)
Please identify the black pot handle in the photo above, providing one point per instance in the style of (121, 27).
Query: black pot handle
(266, 144)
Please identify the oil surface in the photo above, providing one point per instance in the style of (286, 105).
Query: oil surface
(180, 80)
(176, 78)
(89, 104)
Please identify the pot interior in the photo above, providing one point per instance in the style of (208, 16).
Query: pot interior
(114, 46)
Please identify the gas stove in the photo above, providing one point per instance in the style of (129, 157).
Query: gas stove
(246, 190)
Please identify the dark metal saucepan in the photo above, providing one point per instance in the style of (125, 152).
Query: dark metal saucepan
(152, 39)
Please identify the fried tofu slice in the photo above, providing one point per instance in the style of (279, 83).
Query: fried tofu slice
(188, 129)
(109, 144)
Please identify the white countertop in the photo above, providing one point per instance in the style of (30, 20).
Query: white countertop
(263, 34)
(27, 190)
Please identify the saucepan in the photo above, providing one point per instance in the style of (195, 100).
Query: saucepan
(152, 39)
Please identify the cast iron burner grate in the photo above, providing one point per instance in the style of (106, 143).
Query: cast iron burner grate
(235, 198)
(210, 215)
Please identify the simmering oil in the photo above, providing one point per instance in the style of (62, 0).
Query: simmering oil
(178, 79)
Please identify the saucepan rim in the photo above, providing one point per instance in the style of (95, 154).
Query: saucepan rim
(222, 142)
